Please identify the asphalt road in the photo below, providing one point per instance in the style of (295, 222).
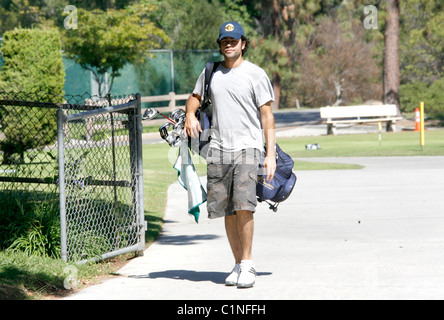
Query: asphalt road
(374, 233)
(296, 118)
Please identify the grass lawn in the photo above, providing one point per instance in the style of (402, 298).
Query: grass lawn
(23, 277)
(367, 145)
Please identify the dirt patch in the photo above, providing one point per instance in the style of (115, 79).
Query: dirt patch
(8, 292)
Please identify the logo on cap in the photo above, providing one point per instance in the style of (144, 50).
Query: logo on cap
(229, 27)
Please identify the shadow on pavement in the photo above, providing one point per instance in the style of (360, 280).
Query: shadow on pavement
(190, 275)
(184, 240)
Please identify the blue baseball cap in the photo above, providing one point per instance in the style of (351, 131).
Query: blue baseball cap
(231, 29)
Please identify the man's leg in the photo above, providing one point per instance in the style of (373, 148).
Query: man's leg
(233, 237)
(240, 229)
(236, 248)
(245, 230)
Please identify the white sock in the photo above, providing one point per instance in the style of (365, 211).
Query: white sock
(247, 263)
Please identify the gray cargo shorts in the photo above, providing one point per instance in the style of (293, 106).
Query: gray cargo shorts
(232, 179)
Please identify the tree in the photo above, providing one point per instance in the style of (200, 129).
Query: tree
(187, 34)
(422, 41)
(391, 56)
(198, 31)
(18, 13)
(422, 56)
(284, 28)
(107, 40)
(100, 4)
(339, 68)
(272, 56)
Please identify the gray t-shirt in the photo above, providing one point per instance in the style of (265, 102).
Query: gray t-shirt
(237, 95)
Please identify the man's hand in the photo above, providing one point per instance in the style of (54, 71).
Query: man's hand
(192, 126)
(270, 167)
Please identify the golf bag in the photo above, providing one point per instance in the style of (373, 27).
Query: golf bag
(202, 144)
(280, 188)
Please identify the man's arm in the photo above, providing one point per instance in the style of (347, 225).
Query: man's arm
(267, 119)
(192, 125)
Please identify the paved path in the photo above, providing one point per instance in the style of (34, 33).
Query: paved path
(299, 123)
(375, 233)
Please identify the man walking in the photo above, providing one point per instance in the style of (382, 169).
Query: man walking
(241, 95)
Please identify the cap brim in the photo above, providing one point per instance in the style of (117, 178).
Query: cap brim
(233, 35)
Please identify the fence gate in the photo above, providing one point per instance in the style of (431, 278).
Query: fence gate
(100, 179)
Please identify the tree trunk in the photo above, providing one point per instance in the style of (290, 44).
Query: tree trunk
(276, 80)
(391, 56)
(338, 87)
(275, 18)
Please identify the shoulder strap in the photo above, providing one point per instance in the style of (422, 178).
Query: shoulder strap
(210, 68)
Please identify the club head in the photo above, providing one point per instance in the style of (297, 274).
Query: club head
(163, 130)
(178, 115)
(150, 113)
(174, 139)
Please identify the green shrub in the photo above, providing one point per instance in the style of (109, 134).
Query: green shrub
(33, 68)
(32, 62)
(40, 240)
(412, 94)
(32, 227)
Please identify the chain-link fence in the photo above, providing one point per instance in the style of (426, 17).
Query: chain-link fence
(28, 143)
(85, 154)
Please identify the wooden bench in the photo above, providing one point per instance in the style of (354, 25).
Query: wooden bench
(359, 114)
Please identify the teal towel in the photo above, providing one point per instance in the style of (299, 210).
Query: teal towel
(189, 179)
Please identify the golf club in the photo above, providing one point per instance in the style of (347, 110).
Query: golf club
(172, 131)
(150, 113)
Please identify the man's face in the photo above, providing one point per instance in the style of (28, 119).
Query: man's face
(231, 48)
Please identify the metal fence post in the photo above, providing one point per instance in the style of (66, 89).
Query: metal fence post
(60, 140)
(139, 172)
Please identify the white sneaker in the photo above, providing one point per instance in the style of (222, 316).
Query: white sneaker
(247, 276)
(234, 275)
